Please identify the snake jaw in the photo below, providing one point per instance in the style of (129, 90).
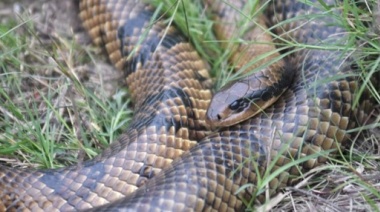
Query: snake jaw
(228, 117)
(221, 108)
(240, 100)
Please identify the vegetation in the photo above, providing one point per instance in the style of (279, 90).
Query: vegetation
(61, 102)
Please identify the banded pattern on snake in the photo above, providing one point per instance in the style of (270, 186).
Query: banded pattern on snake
(170, 86)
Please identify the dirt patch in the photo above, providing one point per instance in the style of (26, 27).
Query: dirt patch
(55, 22)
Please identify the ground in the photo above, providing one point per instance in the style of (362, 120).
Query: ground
(61, 102)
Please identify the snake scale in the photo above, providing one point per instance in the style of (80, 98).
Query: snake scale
(170, 87)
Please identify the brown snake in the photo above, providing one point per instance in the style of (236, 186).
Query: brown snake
(170, 87)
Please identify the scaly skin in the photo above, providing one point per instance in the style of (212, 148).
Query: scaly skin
(311, 117)
(169, 84)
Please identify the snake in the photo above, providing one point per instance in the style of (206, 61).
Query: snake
(168, 158)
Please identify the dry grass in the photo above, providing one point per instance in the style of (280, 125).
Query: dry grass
(55, 84)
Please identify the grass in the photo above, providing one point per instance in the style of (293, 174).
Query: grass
(58, 105)
(52, 115)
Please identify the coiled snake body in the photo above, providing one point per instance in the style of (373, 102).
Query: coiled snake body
(170, 86)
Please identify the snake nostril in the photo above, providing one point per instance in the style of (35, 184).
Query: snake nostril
(219, 117)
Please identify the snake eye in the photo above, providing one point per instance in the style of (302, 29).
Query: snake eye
(238, 105)
(234, 105)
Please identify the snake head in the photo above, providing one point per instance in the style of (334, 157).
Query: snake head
(241, 100)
